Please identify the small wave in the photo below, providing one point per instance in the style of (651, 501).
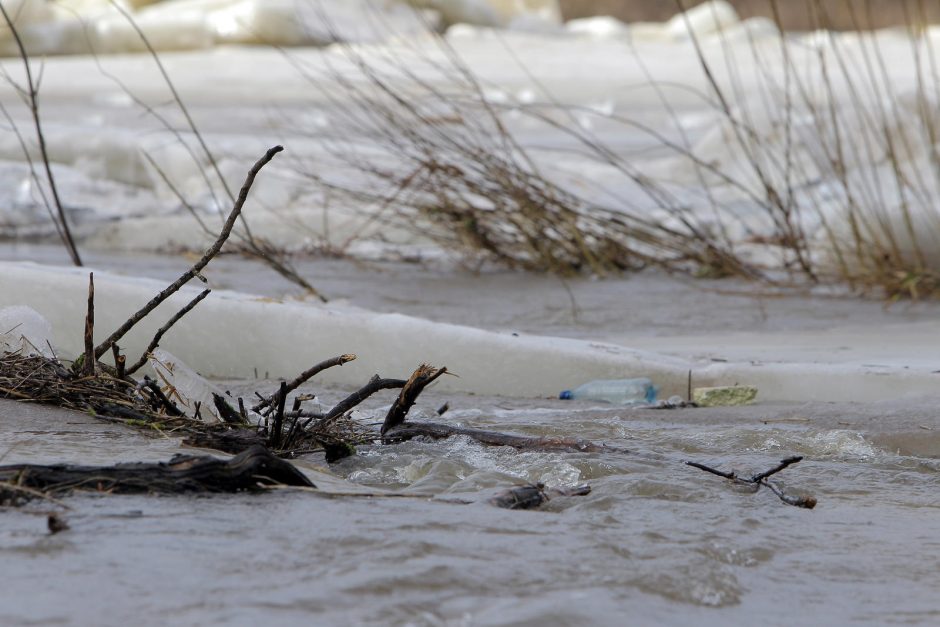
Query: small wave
(841, 444)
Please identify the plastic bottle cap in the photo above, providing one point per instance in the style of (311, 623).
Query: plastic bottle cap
(565, 395)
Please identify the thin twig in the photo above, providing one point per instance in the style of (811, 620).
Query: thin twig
(252, 246)
(199, 265)
(161, 399)
(155, 342)
(305, 376)
(33, 94)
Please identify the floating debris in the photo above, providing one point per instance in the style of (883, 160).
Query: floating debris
(725, 396)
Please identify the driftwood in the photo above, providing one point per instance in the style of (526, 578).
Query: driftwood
(420, 379)
(247, 471)
(437, 431)
(225, 439)
(305, 376)
(255, 469)
(761, 479)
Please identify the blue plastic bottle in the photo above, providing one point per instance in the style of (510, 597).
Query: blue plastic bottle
(639, 391)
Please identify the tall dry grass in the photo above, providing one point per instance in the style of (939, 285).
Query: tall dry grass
(858, 159)
(838, 166)
(438, 157)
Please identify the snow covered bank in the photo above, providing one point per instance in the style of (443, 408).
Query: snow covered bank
(235, 335)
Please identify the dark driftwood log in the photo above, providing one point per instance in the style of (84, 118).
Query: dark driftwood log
(228, 440)
(438, 431)
(249, 470)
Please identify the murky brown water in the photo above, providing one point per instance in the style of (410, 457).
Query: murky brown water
(655, 542)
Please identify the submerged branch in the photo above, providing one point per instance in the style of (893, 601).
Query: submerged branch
(437, 431)
(533, 495)
(760, 479)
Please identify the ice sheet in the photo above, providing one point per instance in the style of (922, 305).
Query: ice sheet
(287, 337)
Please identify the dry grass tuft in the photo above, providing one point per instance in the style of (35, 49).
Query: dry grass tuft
(837, 168)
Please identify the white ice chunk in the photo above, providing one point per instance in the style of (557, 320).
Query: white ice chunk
(267, 21)
(602, 27)
(754, 29)
(704, 19)
(494, 12)
(182, 30)
(186, 387)
(24, 330)
(650, 32)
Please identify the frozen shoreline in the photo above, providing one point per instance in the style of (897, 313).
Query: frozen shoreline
(878, 362)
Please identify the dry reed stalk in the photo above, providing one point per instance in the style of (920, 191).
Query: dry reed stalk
(30, 95)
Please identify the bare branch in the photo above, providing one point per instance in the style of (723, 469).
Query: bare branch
(155, 342)
(199, 265)
(306, 375)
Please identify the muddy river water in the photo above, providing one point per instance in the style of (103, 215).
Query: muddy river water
(656, 542)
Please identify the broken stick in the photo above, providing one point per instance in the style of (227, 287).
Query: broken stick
(420, 378)
(88, 366)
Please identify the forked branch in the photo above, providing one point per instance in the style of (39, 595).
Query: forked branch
(199, 265)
